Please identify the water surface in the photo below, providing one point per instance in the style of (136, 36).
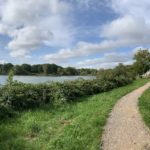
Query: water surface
(43, 79)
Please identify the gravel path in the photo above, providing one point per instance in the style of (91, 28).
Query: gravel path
(125, 129)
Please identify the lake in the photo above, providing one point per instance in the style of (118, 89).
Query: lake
(43, 79)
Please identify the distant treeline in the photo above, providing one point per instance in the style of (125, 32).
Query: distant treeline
(20, 96)
(43, 69)
(139, 67)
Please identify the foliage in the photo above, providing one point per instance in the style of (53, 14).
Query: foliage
(142, 63)
(144, 106)
(43, 69)
(77, 126)
(10, 78)
(5, 68)
(19, 96)
(5, 110)
(140, 66)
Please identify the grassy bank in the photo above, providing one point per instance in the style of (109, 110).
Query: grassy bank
(76, 126)
(144, 106)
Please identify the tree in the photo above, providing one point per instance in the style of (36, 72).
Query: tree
(6, 68)
(52, 68)
(86, 71)
(45, 69)
(35, 69)
(18, 70)
(60, 71)
(39, 69)
(71, 71)
(26, 67)
(142, 61)
(10, 78)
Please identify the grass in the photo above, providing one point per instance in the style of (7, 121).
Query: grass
(76, 126)
(144, 106)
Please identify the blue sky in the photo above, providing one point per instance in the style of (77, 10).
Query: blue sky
(78, 33)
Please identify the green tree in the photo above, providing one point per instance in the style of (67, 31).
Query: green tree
(6, 68)
(18, 70)
(60, 71)
(142, 61)
(70, 71)
(35, 69)
(10, 78)
(45, 69)
(39, 69)
(26, 67)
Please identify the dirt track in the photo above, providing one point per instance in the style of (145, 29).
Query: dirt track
(125, 129)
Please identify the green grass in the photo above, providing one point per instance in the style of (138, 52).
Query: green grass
(144, 106)
(76, 126)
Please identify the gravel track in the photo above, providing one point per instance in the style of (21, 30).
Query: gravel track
(125, 129)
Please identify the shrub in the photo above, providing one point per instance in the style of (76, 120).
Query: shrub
(19, 96)
(5, 112)
(23, 96)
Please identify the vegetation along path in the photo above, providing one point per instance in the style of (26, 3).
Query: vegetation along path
(125, 129)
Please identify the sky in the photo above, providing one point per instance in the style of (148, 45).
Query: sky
(77, 33)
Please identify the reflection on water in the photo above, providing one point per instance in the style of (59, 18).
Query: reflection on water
(43, 79)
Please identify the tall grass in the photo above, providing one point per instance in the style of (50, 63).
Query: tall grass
(144, 106)
(74, 126)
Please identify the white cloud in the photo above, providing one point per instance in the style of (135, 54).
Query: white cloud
(127, 27)
(134, 8)
(90, 4)
(132, 28)
(3, 62)
(85, 49)
(27, 39)
(81, 49)
(31, 23)
(109, 60)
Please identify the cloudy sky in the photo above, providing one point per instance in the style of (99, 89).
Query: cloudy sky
(79, 33)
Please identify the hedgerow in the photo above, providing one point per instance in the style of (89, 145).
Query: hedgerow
(20, 96)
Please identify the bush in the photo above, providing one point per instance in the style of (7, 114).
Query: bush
(20, 96)
(6, 112)
(24, 96)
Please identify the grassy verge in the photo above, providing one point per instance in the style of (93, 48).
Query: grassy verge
(144, 106)
(77, 126)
